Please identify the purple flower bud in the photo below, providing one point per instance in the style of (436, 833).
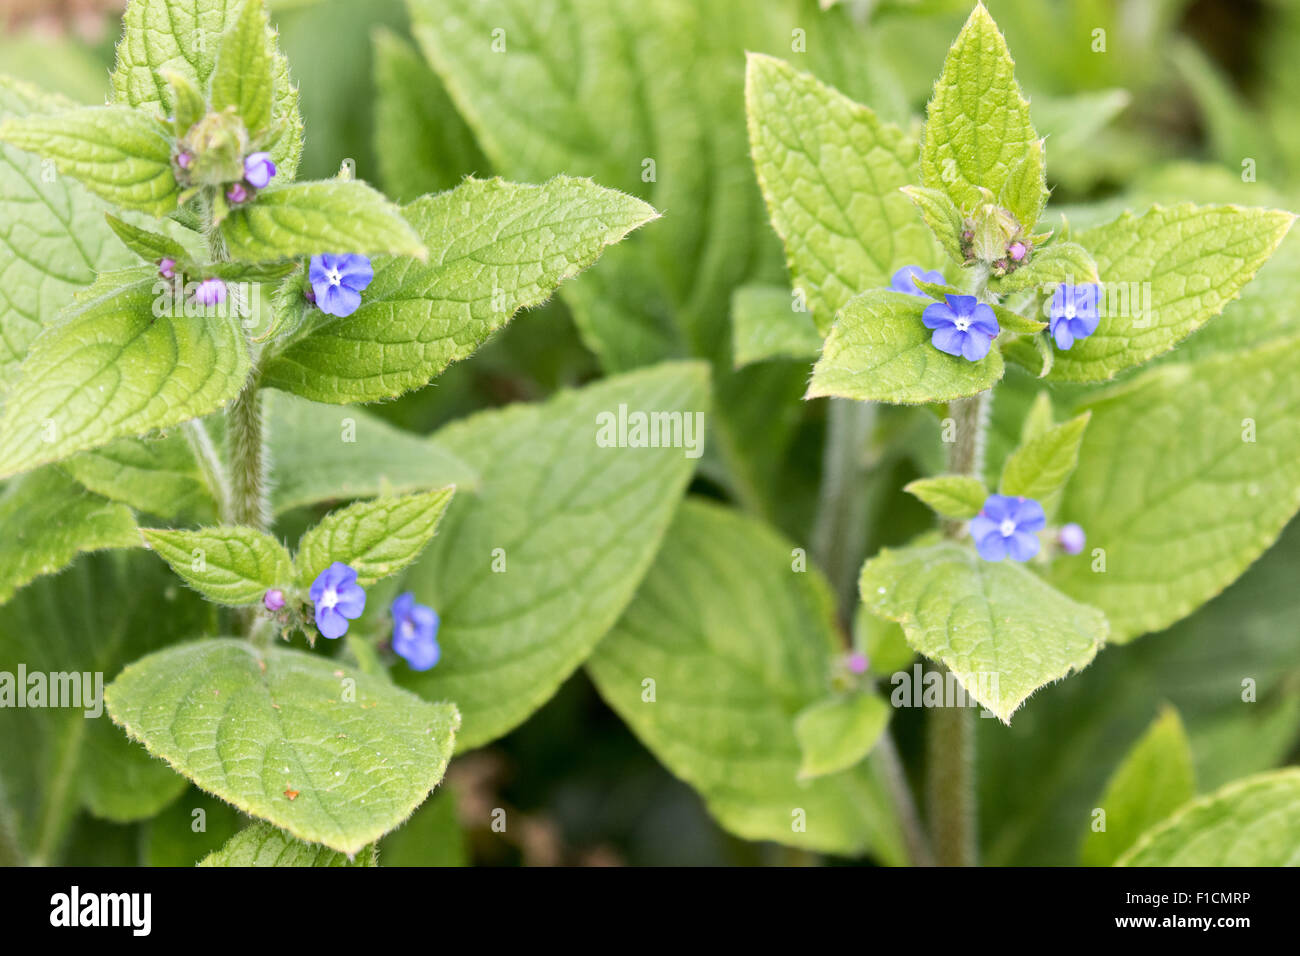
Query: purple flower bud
(309, 294)
(1071, 538)
(415, 632)
(210, 292)
(167, 268)
(273, 599)
(337, 598)
(1016, 250)
(237, 194)
(258, 169)
(183, 160)
(1008, 526)
(857, 662)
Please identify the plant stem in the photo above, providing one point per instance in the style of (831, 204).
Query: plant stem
(246, 452)
(838, 546)
(840, 532)
(950, 731)
(214, 470)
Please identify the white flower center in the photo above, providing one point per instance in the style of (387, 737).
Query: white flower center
(1069, 310)
(962, 323)
(408, 629)
(329, 599)
(334, 276)
(1007, 527)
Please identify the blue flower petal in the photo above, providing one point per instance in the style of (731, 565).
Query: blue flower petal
(1022, 545)
(991, 547)
(975, 347)
(949, 340)
(937, 315)
(331, 623)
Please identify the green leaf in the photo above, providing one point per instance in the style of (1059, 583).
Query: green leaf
(188, 103)
(532, 571)
(189, 829)
(47, 519)
(978, 132)
(432, 837)
(831, 172)
(878, 351)
(953, 496)
(766, 325)
(230, 565)
(1251, 822)
(1185, 476)
(942, 216)
(273, 732)
(148, 245)
(1165, 274)
(723, 647)
(997, 626)
(106, 610)
(1156, 778)
(1040, 468)
(243, 77)
(265, 845)
(54, 240)
(1067, 262)
(375, 538)
(328, 453)
(185, 37)
(837, 733)
(117, 153)
(1065, 744)
(421, 142)
(494, 248)
(70, 393)
(158, 476)
(305, 219)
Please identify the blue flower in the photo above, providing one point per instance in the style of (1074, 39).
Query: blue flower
(1073, 313)
(1007, 525)
(963, 326)
(337, 281)
(258, 169)
(904, 280)
(1071, 538)
(415, 629)
(338, 599)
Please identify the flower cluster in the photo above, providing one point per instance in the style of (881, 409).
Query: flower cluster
(259, 170)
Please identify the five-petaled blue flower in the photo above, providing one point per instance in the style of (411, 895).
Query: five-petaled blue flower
(904, 280)
(338, 280)
(1073, 313)
(963, 326)
(1007, 525)
(338, 599)
(415, 631)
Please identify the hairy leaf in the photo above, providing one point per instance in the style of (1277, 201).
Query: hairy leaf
(878, 351)
(230, 565)
(997, 626)
(264, 845)
(273, 732)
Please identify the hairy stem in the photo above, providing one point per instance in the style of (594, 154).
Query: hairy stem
(246, 452)
(211, 465)
(950, 731)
